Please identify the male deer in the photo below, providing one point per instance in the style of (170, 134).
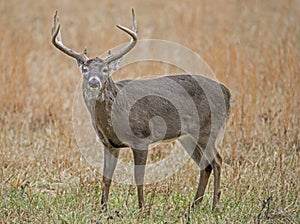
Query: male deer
(211, 100)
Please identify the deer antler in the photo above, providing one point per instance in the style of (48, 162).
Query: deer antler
(57, 41)
(133, 33)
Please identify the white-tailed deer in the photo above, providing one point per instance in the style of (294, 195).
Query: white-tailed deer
(201, 125)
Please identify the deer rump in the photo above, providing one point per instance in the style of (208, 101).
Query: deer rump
(145, 111)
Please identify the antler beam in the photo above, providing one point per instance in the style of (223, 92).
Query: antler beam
(133, 33)
(57, 41)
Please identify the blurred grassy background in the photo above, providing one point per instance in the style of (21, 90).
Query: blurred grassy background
(252, 46)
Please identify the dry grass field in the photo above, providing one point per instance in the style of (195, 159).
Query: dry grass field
(252, 46)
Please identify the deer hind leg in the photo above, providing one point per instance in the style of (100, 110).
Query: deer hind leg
(110, 162)
(216, 165)
(195, 151)
(203, 180)
(205, 172)
(140, 158)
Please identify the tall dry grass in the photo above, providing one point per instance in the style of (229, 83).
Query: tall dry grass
(252, 46)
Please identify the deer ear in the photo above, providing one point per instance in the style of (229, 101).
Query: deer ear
(79, 62)
(114, 65)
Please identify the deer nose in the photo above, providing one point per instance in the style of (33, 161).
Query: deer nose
(94, 83)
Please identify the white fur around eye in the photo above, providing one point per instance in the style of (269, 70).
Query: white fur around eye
(84, 69)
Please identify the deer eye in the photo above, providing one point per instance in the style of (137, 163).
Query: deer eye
(105, 70)
(84, 69)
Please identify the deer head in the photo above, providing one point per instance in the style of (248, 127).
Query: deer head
(96, 71)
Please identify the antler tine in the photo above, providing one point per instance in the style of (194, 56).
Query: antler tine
(134, 22)
(57, 41)
(132, 43)
(55, 27)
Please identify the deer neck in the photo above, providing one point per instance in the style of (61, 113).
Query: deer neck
(102, 112)
(105, 97)
(110, 90)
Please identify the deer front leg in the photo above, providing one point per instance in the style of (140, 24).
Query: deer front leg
(110, 161)
(140, 158)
